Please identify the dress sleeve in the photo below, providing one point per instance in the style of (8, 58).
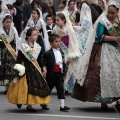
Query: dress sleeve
(100, 32)
(19, 58)
(40, 60)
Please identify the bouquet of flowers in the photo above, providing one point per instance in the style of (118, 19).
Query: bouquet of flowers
(19, 71)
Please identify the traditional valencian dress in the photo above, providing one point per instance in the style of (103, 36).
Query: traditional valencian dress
(102, 81)
(32, 87)
(7, 60)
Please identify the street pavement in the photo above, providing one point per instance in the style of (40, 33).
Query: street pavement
(79, 110)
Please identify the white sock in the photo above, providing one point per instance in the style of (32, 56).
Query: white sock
(62, 103)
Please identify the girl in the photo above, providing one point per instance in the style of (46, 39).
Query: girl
(36, 20)
(31, 88)
(99, 79)
(7, 59)
(69, 42)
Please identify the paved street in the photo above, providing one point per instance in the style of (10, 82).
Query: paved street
(79, 111)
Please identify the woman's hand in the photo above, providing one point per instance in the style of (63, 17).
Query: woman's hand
(44, 72)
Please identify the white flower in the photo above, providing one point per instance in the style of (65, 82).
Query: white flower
(20, 68)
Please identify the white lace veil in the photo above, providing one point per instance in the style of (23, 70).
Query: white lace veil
(85, 64)
(41, 21)
(75, 9)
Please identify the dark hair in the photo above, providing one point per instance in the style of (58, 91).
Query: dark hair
(44, 6)
(64, 2)
(36, 10)
(61, 16)
(7, 17)
(18, 2)
(114, 7)
(70, 2)
(9, 6)
(49, 15)
(29, 32)
(53, 37)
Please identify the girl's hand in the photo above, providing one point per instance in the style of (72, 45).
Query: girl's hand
(44, 72)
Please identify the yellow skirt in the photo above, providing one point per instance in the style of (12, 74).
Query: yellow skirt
(18, 94)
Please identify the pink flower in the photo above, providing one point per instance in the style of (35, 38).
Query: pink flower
(68, 62)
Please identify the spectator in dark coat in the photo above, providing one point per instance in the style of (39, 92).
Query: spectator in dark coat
(27, 9)
(18, 17)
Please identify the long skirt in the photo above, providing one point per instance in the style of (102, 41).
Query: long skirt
(7, 63)
(91, 90)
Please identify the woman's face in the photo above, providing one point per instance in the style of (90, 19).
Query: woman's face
(7, 23)
(34, 36)
(72, 5)
(59, 21)
(35, 16)
(100, 3)
(112, 13)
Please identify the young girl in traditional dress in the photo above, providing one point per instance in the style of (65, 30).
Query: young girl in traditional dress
(7, 60)
(31, 88)
(36, 20)
(69, 40)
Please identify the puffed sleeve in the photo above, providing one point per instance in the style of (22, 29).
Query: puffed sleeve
(100, 32)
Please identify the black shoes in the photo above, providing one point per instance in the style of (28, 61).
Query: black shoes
(44, 107)
(66, 108)
(19, 106)
(116, 106)
(31, 109)
(104, 106)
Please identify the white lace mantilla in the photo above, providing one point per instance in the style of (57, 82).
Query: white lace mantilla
(110, 71)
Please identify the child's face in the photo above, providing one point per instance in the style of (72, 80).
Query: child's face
(7, 23)
(35, 16)
(56, 43)
(11, 11)
(59, 21)
(34, 36)
(49, 20)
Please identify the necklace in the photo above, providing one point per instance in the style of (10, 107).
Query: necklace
(32, 47)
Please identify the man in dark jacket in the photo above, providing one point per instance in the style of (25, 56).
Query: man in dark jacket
(27, 9)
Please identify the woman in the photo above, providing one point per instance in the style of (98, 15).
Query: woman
(29, 87)
(71, 8)
(99, 75)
